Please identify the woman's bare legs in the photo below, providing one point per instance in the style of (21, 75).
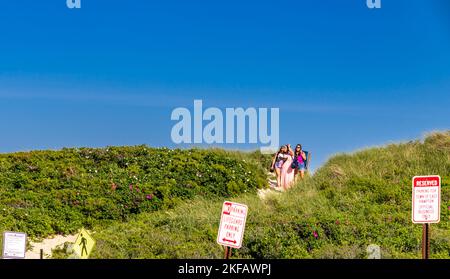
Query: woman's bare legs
(302, 174)
(278, 171)
(295, 175)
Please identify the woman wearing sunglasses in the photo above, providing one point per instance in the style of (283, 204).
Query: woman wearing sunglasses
(299, 161)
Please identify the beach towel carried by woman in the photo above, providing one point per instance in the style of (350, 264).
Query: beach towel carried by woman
(287, 174)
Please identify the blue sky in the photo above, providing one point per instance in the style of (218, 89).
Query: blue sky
(344, 77)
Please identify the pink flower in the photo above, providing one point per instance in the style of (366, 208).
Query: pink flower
(449, 208)
(131, 186)
(337, 222)
(315, 234)
(149, 197)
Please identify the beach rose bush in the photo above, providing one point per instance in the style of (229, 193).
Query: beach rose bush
(49, 192)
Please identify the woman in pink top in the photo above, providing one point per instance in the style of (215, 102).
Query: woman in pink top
(300, 156)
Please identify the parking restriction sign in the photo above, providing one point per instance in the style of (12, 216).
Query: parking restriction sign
(232, 224)
(426, 199)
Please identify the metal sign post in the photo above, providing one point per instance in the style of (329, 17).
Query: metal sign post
(227, 253)
(426, 241)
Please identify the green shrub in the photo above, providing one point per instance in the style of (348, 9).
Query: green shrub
(51, 192)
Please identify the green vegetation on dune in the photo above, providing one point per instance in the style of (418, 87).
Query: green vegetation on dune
(352, 201)
(57, 192)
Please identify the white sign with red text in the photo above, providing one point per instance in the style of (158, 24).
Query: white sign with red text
(426, 199)
(232, 224)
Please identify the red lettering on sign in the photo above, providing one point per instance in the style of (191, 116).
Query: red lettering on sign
(426, 181)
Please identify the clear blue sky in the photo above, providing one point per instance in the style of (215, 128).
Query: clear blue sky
(344, 77)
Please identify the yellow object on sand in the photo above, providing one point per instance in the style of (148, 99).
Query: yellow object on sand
(84, 244)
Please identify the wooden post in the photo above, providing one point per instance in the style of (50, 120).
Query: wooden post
(426, 241)
(227, 253)
(42, 254)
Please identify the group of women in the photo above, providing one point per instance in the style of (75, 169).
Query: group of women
(288, 163)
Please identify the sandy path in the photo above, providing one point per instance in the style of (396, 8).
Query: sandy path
(48, 244)
(273, 188)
